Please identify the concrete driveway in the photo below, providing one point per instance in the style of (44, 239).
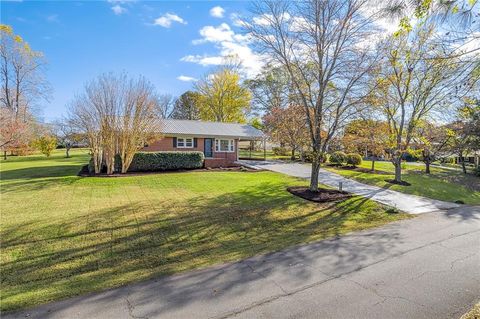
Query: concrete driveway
(408, 203)
(426, 267)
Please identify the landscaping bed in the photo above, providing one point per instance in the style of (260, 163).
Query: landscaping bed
(323, 195)
(84, 172)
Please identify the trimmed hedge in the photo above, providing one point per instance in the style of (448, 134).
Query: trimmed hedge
(165, 161)
(158, 161)
(354, 159)
(338, 157)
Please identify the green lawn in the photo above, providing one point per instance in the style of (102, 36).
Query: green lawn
(64, 235)
(443, 184)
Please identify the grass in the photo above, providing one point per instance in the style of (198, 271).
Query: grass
(442, 184)
(64, 235)
(474, 313)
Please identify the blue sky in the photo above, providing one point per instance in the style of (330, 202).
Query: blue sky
(169, 42)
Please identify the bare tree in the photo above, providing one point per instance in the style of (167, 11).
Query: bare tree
(117, 114)
(85, 117)
(415, 80)
(66, 134)
(21, 73)
(270, 89)
(166, 105)
(322, 45)
(138, 119)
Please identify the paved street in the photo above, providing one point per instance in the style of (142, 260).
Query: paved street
(426, 267)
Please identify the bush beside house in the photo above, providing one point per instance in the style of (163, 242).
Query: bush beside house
(164, 161)
(159, 161)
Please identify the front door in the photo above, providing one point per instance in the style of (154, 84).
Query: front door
(208, 150)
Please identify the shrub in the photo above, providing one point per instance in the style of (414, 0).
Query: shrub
(308, 157)
(46, 144)
(354, 159)
(279, 151)
(338, 157)
(410, 157)
(164, 161)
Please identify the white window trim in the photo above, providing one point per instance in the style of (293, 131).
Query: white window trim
(184, 139)
(231, 145)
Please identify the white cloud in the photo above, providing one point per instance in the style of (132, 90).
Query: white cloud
(52, 18)
(237, 20)
(204, 60)
(185, 78)
(229, 45)
(118, 9)
(217, 12)
(167, 19)
(215, 34)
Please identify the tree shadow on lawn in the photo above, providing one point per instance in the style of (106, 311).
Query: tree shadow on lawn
(123, 244)
(40, 172)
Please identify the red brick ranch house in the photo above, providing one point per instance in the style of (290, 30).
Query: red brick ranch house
(218, 141)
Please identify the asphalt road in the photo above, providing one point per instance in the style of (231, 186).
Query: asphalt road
(426, 267)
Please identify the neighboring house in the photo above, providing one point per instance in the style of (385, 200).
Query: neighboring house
(218, 141)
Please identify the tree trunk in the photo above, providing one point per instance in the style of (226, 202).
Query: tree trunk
(398, 169)
(5, 155)
(464, 169)
(314, 177)
(293, 154)
(427, 165)
(67, 152)
(373, 164)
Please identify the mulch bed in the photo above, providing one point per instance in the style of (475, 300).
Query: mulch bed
(402, 183)
(322, 196)
(85, 173)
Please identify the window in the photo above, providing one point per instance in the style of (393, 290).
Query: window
(224, 145)
(184, 142)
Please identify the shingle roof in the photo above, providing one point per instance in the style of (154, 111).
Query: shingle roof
(187, 127)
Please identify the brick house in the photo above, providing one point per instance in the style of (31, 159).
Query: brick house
(218, 141)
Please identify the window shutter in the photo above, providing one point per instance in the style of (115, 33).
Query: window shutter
(194, 142)
(174, 142)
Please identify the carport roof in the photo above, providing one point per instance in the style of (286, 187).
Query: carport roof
(209, 129)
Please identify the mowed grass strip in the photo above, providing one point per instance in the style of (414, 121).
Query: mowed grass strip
(443, 184)
(64, 235)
